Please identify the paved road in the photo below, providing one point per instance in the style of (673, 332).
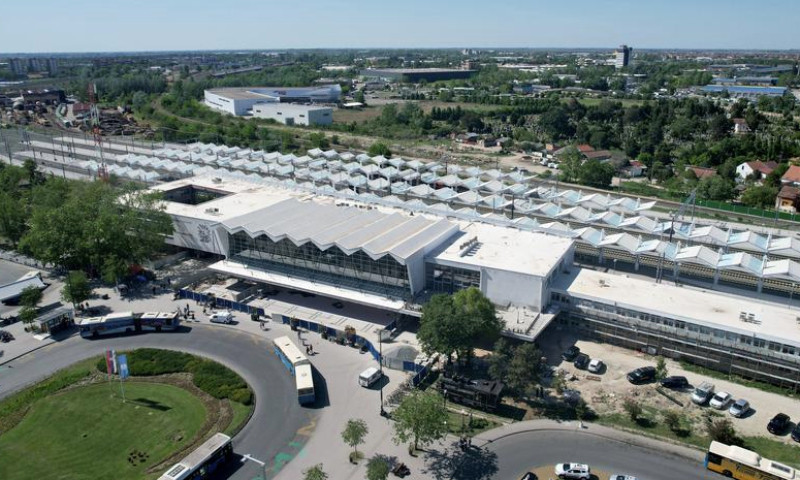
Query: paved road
(520, 452)
(272, 433)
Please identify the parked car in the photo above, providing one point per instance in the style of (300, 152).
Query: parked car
(796, 433)
(675, 382)
(617, 476)
(779, 424)
(221, 317)
(529, 476)
(596, 365)
(642, 375)
(739, 408)
(570, 353)
(581, 361)
(573, 470)
(720, 400)
(703, 393)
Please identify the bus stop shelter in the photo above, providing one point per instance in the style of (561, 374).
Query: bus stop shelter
(55, 320)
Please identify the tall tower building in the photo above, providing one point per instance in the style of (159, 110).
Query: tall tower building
(622, 56)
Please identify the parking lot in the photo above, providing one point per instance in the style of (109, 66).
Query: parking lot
(606, 391)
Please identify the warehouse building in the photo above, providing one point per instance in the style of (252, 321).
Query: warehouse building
(290, 114)
(415, 75)
(240, 101)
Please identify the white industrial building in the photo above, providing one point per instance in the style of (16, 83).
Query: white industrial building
(365, 250)
(292, 114)
(240, 101)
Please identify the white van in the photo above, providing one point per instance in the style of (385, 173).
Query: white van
(221, 317)
(369, 376)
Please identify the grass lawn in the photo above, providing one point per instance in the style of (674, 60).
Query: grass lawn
(768, 448)
(241, 413)
(88, 433)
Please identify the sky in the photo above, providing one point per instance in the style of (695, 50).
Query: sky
(35, 26)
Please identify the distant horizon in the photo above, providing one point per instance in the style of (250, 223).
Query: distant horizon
(372, 49)
(88, 26)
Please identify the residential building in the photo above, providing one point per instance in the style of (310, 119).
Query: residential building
(788, 199)
(702, 172)
(635, 168)
(792, 176)
(622, 56)
(740, 126)
(744, 170)
(291, 114)
(18, 66)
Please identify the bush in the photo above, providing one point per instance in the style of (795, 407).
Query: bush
(722, 431)
(211, 377)
(633, 408)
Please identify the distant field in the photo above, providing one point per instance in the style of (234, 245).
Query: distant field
(591, 102)
(88, 433)
(372, 112)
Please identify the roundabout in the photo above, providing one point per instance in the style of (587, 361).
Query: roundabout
(278, 427)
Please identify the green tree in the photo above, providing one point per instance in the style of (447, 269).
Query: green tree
(353, 434)
(114, 269)
(453, 323)
(30, 297)
(525, 369)
(420, 418)
(673, 420)
(315, 473)
(721, 430)
(500, 359)
(318, 140)
(596, 174)
(378, 468)
(379, 148)
(633, 408)
(774, 177)
(359, 97)
(661, 368)
(716, 188)
(27, 315)
(13, 215)
(760, 196)
(570, 165)
(77, 288)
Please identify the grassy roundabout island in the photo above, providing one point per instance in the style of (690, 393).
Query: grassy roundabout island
(75, 424)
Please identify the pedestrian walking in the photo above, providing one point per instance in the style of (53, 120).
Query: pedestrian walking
(154, 289)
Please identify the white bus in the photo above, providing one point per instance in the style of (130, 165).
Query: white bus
(299, 366)
(126, 322)
(204, 461)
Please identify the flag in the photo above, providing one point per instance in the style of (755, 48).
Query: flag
(111, 361)
(122, 365)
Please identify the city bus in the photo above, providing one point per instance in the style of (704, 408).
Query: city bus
(203, 461)
(299, 366)
(742, 464)
(126, 322)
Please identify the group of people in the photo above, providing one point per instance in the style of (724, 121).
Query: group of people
(309, 349)
(465, 442)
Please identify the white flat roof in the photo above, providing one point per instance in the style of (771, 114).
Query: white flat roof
(243, 271)
(698, 306)
(506, 248)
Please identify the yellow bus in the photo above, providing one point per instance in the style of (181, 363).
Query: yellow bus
(742, 464)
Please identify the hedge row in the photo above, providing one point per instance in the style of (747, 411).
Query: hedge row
(217, 380)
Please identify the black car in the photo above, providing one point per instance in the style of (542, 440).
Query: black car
(642, 375)
(796, 433)
(778, 424)
(570, 353)
(675, 382)
(582, 361)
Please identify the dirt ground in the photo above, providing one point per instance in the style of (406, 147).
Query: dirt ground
(606, 391)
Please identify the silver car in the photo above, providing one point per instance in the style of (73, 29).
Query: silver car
(739, 408)
(618, 476)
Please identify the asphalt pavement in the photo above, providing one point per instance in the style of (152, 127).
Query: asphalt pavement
(509, 457)
(272, 433)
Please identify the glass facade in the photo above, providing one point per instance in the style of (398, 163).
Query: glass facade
(445, 279)
(358, 271)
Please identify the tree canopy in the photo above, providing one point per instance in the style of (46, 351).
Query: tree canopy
(452, 324)
(420, 418)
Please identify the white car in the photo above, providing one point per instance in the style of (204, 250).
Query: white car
(221, 317)
(573, 470)
(720, 400)
(596, 365)
(617, 476)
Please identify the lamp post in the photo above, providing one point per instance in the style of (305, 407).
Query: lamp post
(380, 366)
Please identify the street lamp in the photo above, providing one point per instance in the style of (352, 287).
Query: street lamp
(380, 366)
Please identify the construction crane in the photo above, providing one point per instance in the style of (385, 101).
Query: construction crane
(94, 116)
